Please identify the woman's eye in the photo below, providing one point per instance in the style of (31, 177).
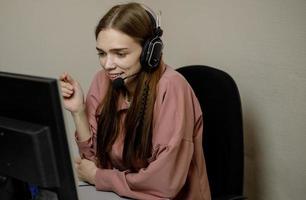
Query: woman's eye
(121, 55)
(101, 54)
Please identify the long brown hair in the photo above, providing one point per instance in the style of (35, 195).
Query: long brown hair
(133, 20)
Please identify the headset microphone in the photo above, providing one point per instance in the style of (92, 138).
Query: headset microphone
(119, 82)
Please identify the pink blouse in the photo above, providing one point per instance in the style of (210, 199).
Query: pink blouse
(177, 166)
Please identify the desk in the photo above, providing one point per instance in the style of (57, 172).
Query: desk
(90, 193)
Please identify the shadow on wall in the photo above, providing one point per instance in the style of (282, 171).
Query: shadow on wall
(253, 152)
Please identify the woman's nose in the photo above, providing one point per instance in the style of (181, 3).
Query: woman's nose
(109, 63)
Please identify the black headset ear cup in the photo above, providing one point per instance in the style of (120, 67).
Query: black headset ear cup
(152, 49)
(151, 53)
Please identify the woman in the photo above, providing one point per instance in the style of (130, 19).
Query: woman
(139, 132)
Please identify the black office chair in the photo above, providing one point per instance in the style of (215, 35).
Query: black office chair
(223, 132)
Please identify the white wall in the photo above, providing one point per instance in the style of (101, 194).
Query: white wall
(261, 43)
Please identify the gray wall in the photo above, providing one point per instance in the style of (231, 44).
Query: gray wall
(262, 44)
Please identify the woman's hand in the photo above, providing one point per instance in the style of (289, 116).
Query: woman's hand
(86, 170)
(72, 93)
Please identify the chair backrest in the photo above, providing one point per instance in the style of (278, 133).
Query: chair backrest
(223, 132)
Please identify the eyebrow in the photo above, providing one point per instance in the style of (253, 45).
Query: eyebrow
(112, 50)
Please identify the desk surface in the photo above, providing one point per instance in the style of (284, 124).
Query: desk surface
(90, 193)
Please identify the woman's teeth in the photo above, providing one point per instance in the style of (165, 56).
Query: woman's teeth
(116, 75)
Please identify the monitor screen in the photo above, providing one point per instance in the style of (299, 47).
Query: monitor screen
(34, 148)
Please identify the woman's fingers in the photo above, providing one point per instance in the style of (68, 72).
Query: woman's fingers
(66, 87)
(63, 76)
(71, 92)
(66, 84)
(66, 92)
(68, 78)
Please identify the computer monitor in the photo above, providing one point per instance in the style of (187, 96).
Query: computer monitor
(34, 148)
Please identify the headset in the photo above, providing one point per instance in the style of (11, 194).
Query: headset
(152, 49)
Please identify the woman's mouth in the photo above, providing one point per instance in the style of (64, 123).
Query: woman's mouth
(114, 76)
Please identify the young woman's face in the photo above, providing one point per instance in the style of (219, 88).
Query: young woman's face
(119, 54)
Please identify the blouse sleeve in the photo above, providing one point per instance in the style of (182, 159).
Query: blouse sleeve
(96, 92)
(173, 132)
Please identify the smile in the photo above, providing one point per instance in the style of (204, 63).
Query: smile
(114, 76)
